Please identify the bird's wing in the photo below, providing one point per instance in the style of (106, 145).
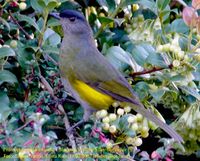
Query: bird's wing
(119, 89)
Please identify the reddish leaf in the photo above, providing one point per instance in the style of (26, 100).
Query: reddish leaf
(196, 4)
(190, 16)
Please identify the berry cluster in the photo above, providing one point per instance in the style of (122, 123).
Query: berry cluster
(125, 126)
(188, 126)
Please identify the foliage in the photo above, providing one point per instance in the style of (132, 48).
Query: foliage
(148, 41)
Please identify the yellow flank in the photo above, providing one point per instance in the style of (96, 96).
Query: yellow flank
(95, 98)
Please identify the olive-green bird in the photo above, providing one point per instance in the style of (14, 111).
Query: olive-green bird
(89, 77)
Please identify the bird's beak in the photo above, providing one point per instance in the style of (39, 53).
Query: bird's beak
(55, 15)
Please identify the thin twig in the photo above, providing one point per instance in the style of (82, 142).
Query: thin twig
(154, 69)
(47, 86)
(67, 126)
(50, 59)
(23, 126)
(20, 27)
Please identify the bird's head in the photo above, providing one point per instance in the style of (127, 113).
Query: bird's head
(73, 22)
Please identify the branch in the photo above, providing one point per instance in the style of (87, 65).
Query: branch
(23, 126)
(47, 86)
(154, 69)
(67, 126)
(20, 27)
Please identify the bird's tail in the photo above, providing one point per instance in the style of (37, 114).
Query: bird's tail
(152, 117)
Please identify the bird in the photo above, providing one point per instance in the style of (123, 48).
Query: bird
(90, 78)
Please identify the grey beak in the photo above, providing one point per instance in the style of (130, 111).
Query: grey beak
(55, 15)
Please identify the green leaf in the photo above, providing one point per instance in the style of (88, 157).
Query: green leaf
(42, 3)
(105, 20)
(150, 4)
(140, 54)
(196, 75)
(141, 88)
(52, 134)
(179, 26)
(24, 56)
(157, 95)
(119, 58)
(4, 98)
(191, 91)
(52, 37)
(5, 23)
(183, 42)
(4, 112)
(123, 123)
(6, 51)
(156, 59)
(129, 2)
(36, 6)
(162, 4)
(4, 105)
(176, 78)
(145, 53)
(111, 4)
(130, 133)
(6, 76)
(122, 55)
(50, 50)
(29, 20)
(52, 4)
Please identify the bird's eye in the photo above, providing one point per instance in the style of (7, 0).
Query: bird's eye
(72, 19)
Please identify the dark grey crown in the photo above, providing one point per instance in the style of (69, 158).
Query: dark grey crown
(72, 13)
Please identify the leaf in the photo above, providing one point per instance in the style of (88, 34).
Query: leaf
(50, 50)
(156, 59)
(177, 78)
(190, 17)
(24, 57)
(6, 76)
(162, 4)
(52, 37)
(141, 88)
(117, 56)
(52, 4)
(6, 51)
(140, 54)
(183, 43)
(105, 20)
(129, 132)
(157, 95)
(4, 105)
(196, 75)
(191, 91)
(29, 20)
(129, 2)
(36, 6)
(145, 53)
(52, 134)
(5, 23)
(150, 4)
(4, 98)
(111, 4)
(123, 123)
(179, 26)
(42, 3)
